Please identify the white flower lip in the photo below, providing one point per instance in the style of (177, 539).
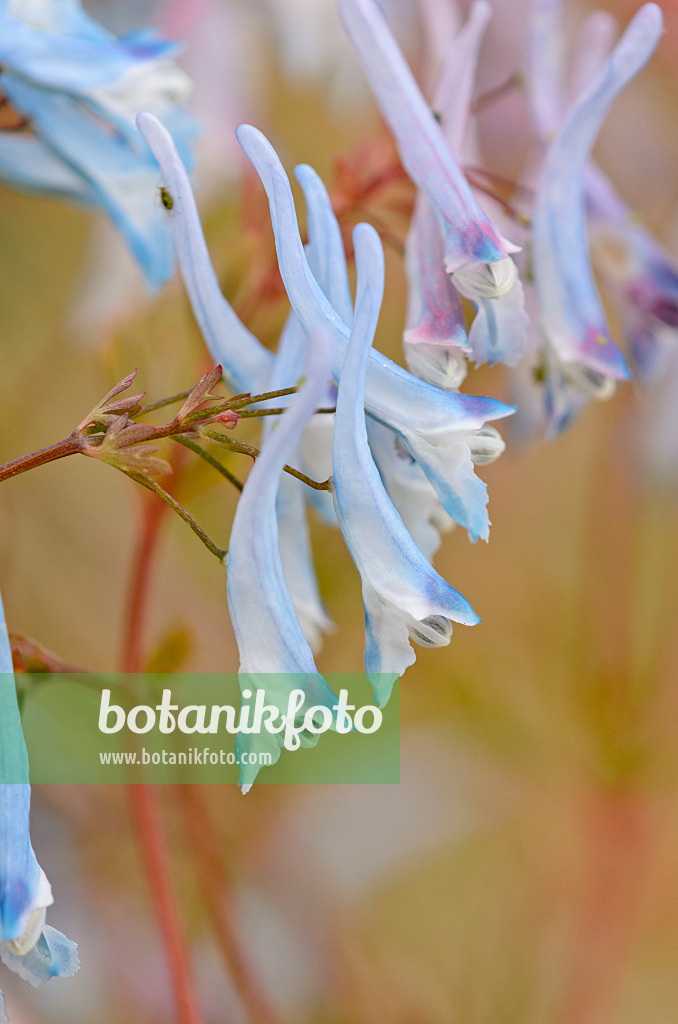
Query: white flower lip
(486, 280)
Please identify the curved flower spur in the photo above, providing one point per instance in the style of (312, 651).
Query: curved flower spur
(639, 272)
(29, 947)
(444, 431)
(274, 653)
(247, 365)
(404, 596)
(474, 253)
(408, 487)
(435, 341)
(77, 89)
(580, 351)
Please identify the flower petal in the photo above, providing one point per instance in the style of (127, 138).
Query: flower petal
(429, 420)
(469, 235)
(393, 569)
(246, 362)
(572, 316)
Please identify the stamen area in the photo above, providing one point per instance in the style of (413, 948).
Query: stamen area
(25, 942)
(486, 280)
(433, 631)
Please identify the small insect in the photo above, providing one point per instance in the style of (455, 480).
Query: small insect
(166, 199)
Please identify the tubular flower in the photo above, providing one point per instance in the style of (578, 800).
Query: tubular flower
(245, 361)
(643, 276)
(404, 597)
(28, 946)
(581, 354)
(274, 653)
(470, 239)
(474, 253)
(408, 488)
(76, 90)
(247, 365)
(294, 538)
(441, 430)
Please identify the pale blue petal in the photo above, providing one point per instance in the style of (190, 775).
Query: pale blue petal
(53, 956)
(591, 47)
(72, 53)
(245, 361)
(402, 591)
(23, 887)
(327, 258)
(28, 164)
(469, 236)
(544, 66)
(124, 185)
(267, 630)
(434, 339)
(293, 534)
(274, 653)
(327, 262)
(435, 425)
(409, 489)
(3, 1015)
(641, 272)
(499, 332)
(455, 88)
(572, 316)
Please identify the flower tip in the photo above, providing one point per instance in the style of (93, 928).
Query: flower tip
(246, 788)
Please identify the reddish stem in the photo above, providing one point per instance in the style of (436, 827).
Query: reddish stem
(152, 517)
(146, 810)
(217, 889)
(143, 798)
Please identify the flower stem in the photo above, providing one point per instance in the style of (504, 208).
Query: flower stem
(153, 485)
(146, 810)
(69, 446)
(143, 798)
(217, 890)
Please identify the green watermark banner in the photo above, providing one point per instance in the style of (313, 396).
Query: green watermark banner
(203, 728)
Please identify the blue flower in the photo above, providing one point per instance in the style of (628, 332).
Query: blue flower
(247, 366)
(405, 598)
(77, 89)
(274, 653)
(581, 358)
(407, 485)
(29, 947)
(444, 431)
(473, 252)
(245, 361)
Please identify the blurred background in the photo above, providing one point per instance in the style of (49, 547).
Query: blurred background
(524, 868)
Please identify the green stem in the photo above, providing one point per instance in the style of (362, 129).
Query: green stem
(209, 459)
(153, 485)
(161, 403)
(254, 453)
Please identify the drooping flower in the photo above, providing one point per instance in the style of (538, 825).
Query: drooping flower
(474, 252)
(245, 361)
(581, 359)
(407, 485)
(274, 653)
(247, 365)
(77, 89)
(29, 947)
(405, 599)
(444, 431)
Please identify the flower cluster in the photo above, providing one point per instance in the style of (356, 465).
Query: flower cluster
(403, 445)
